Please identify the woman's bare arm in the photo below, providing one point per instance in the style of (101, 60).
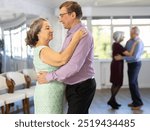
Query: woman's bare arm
(54, 58)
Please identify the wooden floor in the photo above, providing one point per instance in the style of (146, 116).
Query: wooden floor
(99, 105)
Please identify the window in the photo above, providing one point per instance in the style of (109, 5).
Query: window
(29, 50)
(102, 41)
(1, 41)
(103, 28)
(84, 22)
(16, 42)
(15, 45)
(120, 21)
(0, 33)
(7, 43)
(144, 35)
(101, 22)
(24, 47)
(140, 21)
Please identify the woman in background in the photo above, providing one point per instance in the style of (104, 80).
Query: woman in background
(48, 98)
(116, 77)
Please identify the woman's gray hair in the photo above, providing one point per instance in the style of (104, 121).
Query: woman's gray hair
(118, 36)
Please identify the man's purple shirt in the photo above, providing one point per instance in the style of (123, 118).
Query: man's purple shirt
(79, 67)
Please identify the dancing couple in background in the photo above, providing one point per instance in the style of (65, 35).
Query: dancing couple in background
(132, 54)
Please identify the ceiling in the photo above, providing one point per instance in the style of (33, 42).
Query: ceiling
(97, 3)
(52, 4)
(9, 15)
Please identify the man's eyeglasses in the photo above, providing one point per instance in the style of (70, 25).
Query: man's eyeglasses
(61, 15)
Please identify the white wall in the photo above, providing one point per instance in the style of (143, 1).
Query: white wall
(102, 74)
(27, 7)
(116, 11)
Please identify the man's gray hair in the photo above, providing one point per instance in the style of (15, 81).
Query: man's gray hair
(136, 29)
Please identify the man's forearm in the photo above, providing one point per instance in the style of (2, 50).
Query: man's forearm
(129, 58)
(50, 76)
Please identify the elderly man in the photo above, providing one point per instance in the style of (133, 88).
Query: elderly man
(78, 73)
(134, 66)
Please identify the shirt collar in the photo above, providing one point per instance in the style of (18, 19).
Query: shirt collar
(74, 29)
(136, 38)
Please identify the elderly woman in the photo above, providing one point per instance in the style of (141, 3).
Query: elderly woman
(48, 98)
(116, 77)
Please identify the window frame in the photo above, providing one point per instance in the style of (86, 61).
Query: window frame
(130, 25)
